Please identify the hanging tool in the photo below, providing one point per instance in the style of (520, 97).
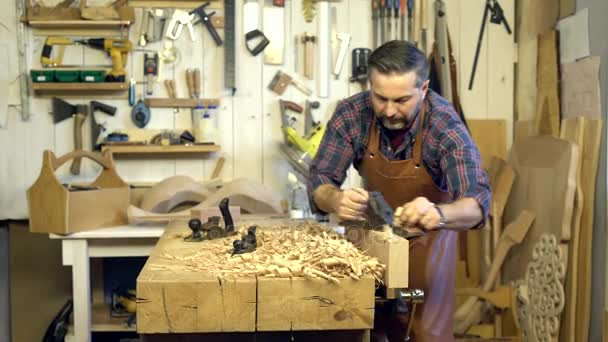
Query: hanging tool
(375, 12)
(212, 229)
(262, 42)
(308, 39)
(62, 111)
(396, 4)
(168, 55)
(344, 42)
(229, 45)
(117, 49)
(132, 84)
(402, 9)
(281, 80)
(99, 130)
(170, 87)
(150, 71)
(206, 19)
(274, 28)
(309, 143)
(424, 25)
(309, 121)
(497, 17)
(410, 20)
(441, 31)
(360, 57)
(46, 58)
(308, 10)
(178, 20)
(389, 19)
(140, 114)
(152, 25)
(247, 243)
(382, 21)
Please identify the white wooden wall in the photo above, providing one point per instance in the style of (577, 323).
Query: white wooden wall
(249, 122)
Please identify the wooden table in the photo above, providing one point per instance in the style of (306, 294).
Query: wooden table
(173, 302)
(78, 248)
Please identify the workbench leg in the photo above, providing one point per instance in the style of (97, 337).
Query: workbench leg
(5, 284)
(81, 289)
(366, 336)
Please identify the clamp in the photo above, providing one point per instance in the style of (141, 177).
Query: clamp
(412, 297)
(206, 19)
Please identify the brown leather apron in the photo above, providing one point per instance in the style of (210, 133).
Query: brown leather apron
(432, 259)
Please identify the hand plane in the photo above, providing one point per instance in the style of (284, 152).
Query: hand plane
(381, 216)
(212, 229)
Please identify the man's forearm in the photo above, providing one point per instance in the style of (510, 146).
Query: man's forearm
(326, 196)
(462, 214)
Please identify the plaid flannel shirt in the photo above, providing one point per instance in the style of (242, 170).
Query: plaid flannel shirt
(448, 151)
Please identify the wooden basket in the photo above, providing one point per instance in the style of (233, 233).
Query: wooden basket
(55, 209)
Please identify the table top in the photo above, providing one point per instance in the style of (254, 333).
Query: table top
(117, 232)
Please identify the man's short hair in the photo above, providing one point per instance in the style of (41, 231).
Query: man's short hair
(399, 57)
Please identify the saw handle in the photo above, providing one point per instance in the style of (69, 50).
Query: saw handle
(78, 122)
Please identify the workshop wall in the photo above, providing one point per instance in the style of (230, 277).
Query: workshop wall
(249, 122)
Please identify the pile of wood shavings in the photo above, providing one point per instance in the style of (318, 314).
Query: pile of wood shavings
(305, 250)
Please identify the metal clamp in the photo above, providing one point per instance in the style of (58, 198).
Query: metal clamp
(412, 297)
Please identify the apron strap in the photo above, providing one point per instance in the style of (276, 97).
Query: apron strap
(373, 138)
(417, 153)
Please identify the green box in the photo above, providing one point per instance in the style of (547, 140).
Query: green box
(42, 76)
(67, 75)
(95, 76)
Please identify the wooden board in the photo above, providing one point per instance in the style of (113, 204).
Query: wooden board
(547, 118)
(172, 299)
(392, 251)
(545, 183)
(573, 130)
(490, 137)
(590, 155)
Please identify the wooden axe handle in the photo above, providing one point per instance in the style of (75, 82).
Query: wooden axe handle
(78, 122)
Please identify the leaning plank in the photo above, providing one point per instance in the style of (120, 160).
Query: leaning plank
(591, 146)
(573, 130)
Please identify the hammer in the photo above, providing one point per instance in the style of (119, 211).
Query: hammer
(62, 111)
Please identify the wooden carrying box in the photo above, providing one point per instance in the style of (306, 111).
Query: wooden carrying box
(55, 209)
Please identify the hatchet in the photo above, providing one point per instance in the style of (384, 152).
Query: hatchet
(63, 111)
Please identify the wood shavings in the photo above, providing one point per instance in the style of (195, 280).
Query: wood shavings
(304, 250)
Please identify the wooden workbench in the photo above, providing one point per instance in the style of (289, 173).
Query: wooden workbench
(175, 300)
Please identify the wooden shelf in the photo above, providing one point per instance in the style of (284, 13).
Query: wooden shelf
(80, 89)
(102, 320)
(179, 103)
(157, 149)
(68, 20)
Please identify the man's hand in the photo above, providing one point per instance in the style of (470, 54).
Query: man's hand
(351, 204)
(419, 213)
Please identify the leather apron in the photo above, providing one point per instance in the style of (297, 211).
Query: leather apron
(432, 259)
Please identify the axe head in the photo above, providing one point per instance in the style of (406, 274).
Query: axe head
(62, 110)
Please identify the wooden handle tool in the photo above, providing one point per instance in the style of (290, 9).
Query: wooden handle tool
(196, 80)
(78, 122)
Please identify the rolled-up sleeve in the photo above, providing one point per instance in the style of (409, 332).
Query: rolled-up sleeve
(461, 163)
(334, 156)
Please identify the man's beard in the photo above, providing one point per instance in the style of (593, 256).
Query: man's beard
(401, 124)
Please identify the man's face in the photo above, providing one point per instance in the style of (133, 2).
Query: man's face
(395, 98)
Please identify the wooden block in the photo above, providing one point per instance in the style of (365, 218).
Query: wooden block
(490, 137)
(393, 252)
(314, 304)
